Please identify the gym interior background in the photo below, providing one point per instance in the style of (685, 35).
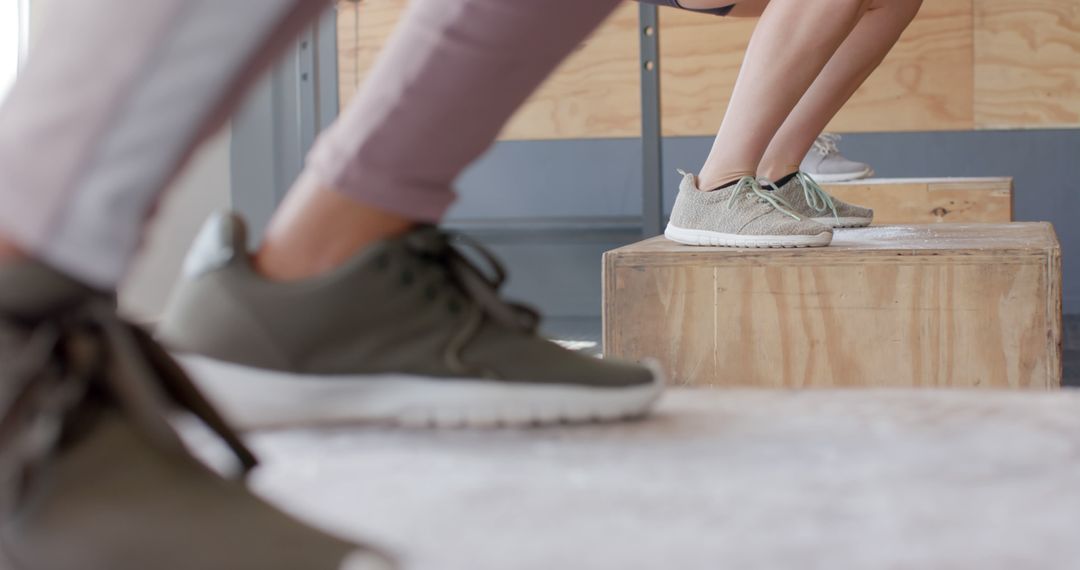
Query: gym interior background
(974, 89)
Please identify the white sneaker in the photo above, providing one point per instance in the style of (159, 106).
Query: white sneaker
(825, 163)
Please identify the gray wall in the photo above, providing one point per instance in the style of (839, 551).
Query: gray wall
(550, 208)
(202, 189)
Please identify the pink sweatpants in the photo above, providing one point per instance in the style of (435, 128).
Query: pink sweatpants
(117, 95)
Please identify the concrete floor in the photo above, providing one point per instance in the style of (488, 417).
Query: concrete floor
(717, 479)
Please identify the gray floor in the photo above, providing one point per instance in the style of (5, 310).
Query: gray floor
(584, 334)
(744, 479)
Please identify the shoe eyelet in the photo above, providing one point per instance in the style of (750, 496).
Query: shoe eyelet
(382, 262)
(430, 293)
(407, 277)
(453, 306)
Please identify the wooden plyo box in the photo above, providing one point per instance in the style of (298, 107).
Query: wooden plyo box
(930, 200)
(956, 305)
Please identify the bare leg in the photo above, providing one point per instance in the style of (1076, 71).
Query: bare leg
(451, 76)
(858, 56)
(791, 45)
(316, 228)
(9, 251)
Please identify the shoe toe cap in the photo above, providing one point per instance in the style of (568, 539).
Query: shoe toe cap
(616, 373)
(853, 211)
(839, 165)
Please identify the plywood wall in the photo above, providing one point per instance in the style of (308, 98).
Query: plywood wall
(594, 93)
(924, 84)
(963, 64)
(1027, 63)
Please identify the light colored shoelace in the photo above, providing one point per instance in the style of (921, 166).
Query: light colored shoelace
(827, 144)
(816, 197)
(749, 184)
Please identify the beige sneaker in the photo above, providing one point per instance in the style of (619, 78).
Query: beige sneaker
(809, 200)
(825, 163)
(743, 215)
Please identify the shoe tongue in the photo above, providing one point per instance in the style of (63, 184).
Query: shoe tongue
(33, 290)
(222, 238)
(783, 180)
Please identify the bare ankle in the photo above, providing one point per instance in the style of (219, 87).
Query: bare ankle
(712, 181)
(777, 171)
(318, 229)
(10, 252)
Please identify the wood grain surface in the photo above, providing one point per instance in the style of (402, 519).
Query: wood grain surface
(926, 82)
(1027, 63)
(595, 93)
(930, 200)
(945, 305)
(348, 51)
(962, 64)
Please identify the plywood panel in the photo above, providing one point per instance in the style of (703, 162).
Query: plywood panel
(595, 93)
(957, 305)
(926, 83)
(1027, 63)
(689, 352)
(930, 200)
(367, 25)
(348, 50)
(962, 64)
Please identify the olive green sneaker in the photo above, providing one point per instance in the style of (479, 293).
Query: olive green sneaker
(92, 474)
(408, 332)
(810, 200)
(742, 215)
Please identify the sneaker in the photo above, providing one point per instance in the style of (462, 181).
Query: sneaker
(408, 332)
(93, 476)
(825, 163)
(809, 200)
(743, 215)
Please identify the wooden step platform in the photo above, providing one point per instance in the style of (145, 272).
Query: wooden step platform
(930, 200)
(958, 305)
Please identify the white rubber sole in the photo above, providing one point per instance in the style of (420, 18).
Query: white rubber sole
(844, 222)
(254, 398)
(843, 177)
(717, 239)
(365, 560)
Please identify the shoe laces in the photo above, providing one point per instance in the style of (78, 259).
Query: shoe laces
(827, 144)
(816, 197)
(84, 356)
(749, 185)
(479, 287)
